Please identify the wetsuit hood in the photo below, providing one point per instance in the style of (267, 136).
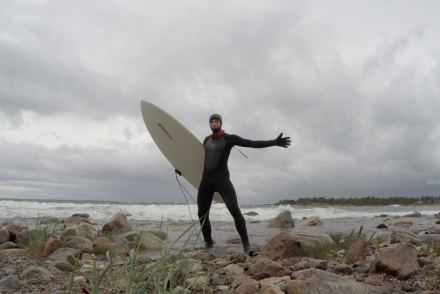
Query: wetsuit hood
(219, 117)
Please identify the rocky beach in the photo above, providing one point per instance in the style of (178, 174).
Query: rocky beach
(382, 254)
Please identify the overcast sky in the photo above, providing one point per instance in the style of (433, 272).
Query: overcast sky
(355, 84)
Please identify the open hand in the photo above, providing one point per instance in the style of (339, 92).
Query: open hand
(282, 142)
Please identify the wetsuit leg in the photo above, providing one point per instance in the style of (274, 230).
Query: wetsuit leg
(227, 191)
(204, 200)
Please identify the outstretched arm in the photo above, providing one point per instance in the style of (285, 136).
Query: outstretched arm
(279, 141)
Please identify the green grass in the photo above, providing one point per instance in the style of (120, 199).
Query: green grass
(2, 256)
(37, 237)
(318, 252)
(379, 240)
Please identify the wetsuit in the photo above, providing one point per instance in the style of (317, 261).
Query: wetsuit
(216, 179)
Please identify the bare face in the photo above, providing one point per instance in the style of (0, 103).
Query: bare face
(215, 124)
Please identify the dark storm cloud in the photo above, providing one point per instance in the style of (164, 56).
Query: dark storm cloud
(30, 171)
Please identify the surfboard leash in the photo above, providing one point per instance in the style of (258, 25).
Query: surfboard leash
(182, 188)
(241, 152)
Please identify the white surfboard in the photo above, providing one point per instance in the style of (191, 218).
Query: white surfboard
(180, 146)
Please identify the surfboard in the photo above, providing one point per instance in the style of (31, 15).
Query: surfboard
(182, 149)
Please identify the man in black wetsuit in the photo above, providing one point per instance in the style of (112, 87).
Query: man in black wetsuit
(216, 176)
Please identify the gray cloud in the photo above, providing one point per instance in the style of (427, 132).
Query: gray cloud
(358, 97)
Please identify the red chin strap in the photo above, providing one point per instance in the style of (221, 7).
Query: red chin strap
(218, 134)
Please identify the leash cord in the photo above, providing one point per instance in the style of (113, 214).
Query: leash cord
(241, 152)
(182, 188)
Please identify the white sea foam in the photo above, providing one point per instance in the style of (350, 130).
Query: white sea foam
(175, 212)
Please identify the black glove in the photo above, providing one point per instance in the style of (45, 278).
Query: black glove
(177, 172)
(282, 142)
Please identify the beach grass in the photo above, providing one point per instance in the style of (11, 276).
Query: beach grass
(37, 237)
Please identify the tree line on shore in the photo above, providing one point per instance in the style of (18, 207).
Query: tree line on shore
(370, 200)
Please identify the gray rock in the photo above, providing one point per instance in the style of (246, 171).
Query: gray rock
(69, 232)
(8, 245)
(430, 238)
(147, 241)
(132, 235)
(220, 251)
(62, 254)
(283, 220)
(248, 286)
(189, 265)
(267, 266)
(318, 263)
(424, 261)
(63, 266)
(86, 230)
(76, 220)
(84, 215)
(414, 214)
(4, 236)
(436, 263)
(117, 224)
(6, 222)
(312, 281)
(199, 284)
(251, 213)
(36, 272)
(9, 284)
(24, 236)
(313, 221)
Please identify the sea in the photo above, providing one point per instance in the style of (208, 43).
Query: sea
(176, 218)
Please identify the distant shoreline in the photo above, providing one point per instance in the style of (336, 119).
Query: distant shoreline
(364, 201)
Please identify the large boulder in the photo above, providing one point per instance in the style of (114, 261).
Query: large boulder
(265, 265)
(13, 230)
(311, 281)
(117, 224)
(281, 246)
(283, 220)
(400, 260)
(285, 245)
